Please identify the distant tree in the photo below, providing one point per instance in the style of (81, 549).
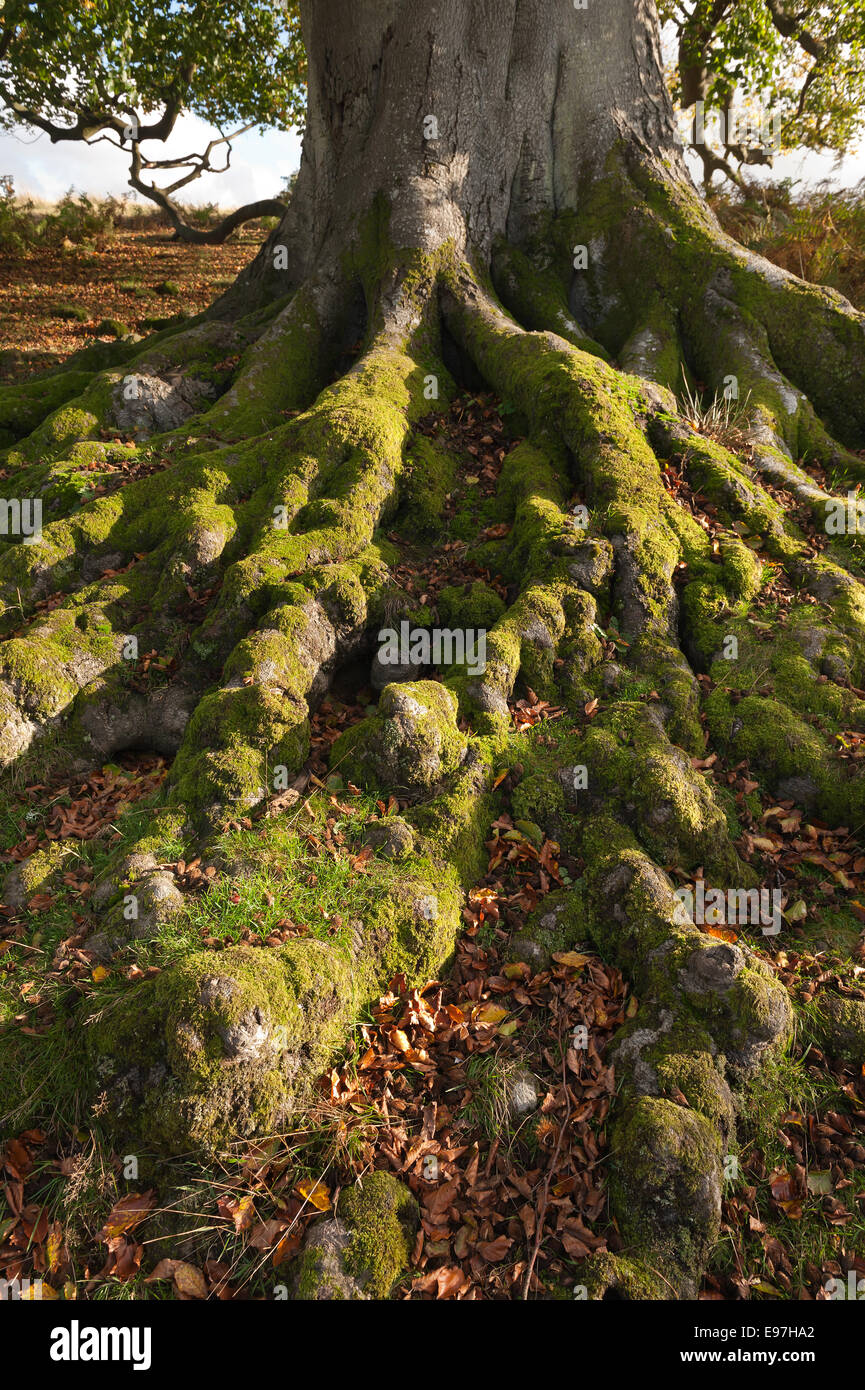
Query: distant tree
(801, 61)
(124, 71)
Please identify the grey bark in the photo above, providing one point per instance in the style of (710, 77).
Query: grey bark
(528, 96)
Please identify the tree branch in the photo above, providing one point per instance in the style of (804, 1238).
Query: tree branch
(214, 236)
(89, 123)
(694, 37)
(789, 27)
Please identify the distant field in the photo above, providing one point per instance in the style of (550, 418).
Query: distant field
(818, 234)
(133, 277)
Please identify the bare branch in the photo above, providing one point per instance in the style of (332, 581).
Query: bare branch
(214, 236)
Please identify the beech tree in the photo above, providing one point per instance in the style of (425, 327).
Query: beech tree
(492, 197)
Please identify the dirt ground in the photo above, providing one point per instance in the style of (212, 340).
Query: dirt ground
(137, 275)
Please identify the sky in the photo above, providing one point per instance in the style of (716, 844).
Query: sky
(804, 166)
(45, 171)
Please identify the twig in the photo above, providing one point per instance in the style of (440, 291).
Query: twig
(542, 1209)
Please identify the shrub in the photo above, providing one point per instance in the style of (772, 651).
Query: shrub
(818, 233)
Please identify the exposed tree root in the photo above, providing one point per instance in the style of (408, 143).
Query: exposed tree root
(268, 522)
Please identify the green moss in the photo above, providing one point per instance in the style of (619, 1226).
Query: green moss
(557, 924)
(453, 825)
(314, 1282)
(538, 295)
(221, 1045)
(665, 1186)
(755, 1011)
(42, 869)
(111, 328)
(631, 764)
(839, 1024)
(282, 371)
(361, 1252)
(211, 1049)
(621, 1276)
(259, 719)
(653, 349)
(23, 407)
(823, 358)
(234, 740)
(382, 1215)
(778, 744)
(680, 1065)
(78, 419)
(157, 831)
(474, 606)
(430, 474)
(74, 312)
(39, 676)
(540, 798)
(413, 931)
(592, 409)
(412, 742)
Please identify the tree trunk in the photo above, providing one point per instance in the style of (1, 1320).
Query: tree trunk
(470, 125)
(476, 120)
(490, 196)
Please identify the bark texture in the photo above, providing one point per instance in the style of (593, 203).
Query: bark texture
(472, 120)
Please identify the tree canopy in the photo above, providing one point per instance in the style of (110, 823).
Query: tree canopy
(804, 62)
(125, 70)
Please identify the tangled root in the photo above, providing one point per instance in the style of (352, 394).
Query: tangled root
(251, 556)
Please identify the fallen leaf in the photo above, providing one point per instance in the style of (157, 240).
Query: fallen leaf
(572, 959)
(491, 1013)
(315, 1192)
(127, 1213)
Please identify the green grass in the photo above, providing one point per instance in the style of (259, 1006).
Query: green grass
(489, 1076)
(285, 875)
(284, 872)
(46, 1078)
(786, 1084)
